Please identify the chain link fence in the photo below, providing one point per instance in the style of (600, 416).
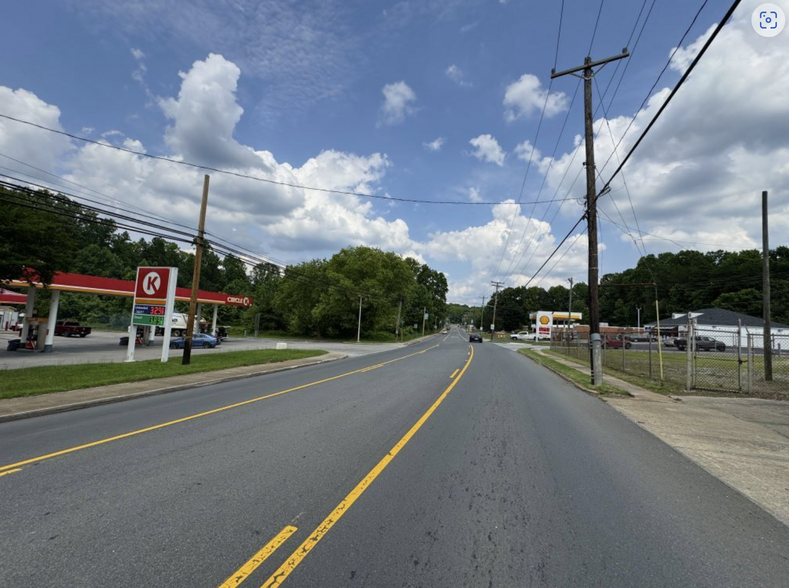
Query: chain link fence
(700, 359)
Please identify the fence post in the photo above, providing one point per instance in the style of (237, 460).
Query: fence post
(624, 343)
(650, 355)
(739, 355)
(689, 355)
(750, 364)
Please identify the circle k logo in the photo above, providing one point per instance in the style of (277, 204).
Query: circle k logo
(151, 283)
(768, 20)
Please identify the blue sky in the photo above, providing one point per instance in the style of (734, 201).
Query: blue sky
(297, 91)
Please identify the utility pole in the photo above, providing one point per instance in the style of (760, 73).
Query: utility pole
(482, 314)
(199, 243)
(424, 319)
(638, 319)
(570, 309)
(397, 328)
(359, 327)
(496, 285)
(591, 206)
(768, 344)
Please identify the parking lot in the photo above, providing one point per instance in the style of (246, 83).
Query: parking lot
(103, 346)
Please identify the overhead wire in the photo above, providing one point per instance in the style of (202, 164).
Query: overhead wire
(533, 147)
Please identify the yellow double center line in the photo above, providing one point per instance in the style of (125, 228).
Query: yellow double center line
(310, 542)
(15, 466)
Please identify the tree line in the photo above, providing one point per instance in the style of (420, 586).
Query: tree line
(684, 281)
(319, 297)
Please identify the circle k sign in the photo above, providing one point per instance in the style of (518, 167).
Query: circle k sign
(152, 282)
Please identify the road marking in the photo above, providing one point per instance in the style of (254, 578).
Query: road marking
(199, 415)
(10, 472)
(454, 373)
(310, 542)
(257, 559)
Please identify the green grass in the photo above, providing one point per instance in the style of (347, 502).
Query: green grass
(573, 374)
(667, 387)
(45, 379)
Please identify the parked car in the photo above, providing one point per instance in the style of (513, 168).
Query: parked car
(641, 338)
(475, 337)
(702, 344)
(526, 336)
(445, 332)
(71, 329)
(616, 342)
(198, 340)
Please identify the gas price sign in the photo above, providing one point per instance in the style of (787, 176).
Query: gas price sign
(148, 314)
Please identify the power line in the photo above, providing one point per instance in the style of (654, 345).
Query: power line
(533, 148)
(594, 32)
(679, 84)
(255, 178)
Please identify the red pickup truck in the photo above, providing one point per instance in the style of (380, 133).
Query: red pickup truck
(71, 329)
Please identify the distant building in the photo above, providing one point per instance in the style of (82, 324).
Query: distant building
(723, 325)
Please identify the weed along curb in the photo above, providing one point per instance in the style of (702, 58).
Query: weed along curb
(14, 409)
(573, 375)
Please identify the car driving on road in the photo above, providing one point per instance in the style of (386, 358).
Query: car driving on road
(475, 337)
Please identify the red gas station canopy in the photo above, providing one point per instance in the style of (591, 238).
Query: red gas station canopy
(112, 287)
(10, 297)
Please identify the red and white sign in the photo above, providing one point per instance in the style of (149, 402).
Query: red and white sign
(238, 300)
(152, 283)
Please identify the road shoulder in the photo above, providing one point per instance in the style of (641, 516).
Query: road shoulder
(743, 441)
(32, 406)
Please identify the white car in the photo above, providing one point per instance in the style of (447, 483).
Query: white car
(526, 336)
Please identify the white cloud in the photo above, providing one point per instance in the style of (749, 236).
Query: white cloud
(481, 247)
(473, 194)
(527, 151)
(454, 73)
(398, 103)
(25, 142)
(488, 149)
(526, 96)
(435, 144)
(694, 180)
(205, 115)
(137, 54)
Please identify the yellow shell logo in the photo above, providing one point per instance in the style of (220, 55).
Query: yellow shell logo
(545, 320)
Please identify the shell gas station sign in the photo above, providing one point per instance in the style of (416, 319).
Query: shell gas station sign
(544, 324)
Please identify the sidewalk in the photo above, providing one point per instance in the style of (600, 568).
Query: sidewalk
(31, 406)
(744, 442)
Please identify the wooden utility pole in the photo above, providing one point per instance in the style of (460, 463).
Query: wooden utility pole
(199, 243)
(496, 285)
(591, 206)
(768, 331)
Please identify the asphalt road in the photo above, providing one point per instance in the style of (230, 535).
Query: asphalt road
(397, 475)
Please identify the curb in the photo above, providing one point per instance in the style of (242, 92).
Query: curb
(590, 391)
(155, 392)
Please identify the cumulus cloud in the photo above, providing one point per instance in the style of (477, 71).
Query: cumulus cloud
(526, 151)
(435, 144)
(526, 96)
(694, 181)
(398, 103)
(454, 73)
(482, 247)
(27, 143)
(205, 114)
(488, 149)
